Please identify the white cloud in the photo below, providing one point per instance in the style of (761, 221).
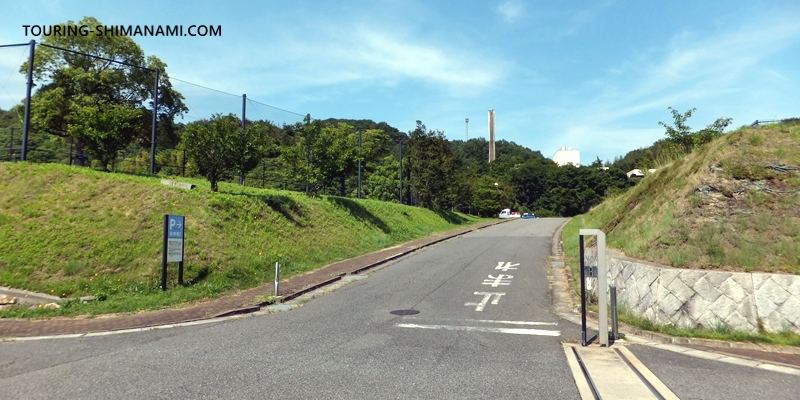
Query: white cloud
(511, 10)
(718, 74)
(372, 56)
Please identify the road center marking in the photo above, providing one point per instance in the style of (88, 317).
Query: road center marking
(513, 331)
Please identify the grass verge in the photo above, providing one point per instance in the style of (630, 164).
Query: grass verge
(71, 232)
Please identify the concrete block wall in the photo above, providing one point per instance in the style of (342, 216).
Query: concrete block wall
(698, 298)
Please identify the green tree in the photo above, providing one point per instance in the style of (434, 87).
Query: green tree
(212, 146)
(491, 196)
(682, 135)
(432, 167)
(323, 155)
(101, 104)
(252, 145)
(384, 182)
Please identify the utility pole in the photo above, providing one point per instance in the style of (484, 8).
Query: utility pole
(359, 164)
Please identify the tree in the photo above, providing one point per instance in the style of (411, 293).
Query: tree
(252, 145)
(682, 135)
(490, 196)
(323, 154)
(384, 182)
(101, 104)
(219, 147)
(432, 167)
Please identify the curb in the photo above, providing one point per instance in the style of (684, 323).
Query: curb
(265, 306)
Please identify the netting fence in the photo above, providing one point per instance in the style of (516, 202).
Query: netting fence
(201, 102)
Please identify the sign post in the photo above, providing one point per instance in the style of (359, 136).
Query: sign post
(600, 271)
(173, 247)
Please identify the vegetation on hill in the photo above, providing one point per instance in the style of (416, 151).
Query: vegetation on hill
(74, 231)
(732, 204)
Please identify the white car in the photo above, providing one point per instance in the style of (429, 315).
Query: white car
(507, 213)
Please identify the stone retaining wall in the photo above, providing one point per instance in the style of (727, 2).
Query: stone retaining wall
(698, 298)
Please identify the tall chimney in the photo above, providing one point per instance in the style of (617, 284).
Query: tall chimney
(491, 135)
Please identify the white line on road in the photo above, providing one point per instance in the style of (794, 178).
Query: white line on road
(514, 322)
(515, 331)
(490, 321)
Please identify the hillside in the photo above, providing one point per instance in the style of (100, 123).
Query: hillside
(73, 231)
(733, 204)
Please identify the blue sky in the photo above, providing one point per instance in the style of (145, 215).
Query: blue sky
(595, 76)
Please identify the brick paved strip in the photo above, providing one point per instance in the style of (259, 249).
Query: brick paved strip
(235, 303)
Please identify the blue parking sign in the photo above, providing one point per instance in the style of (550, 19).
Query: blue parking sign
(175, 230)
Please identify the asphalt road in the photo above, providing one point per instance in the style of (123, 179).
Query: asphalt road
(502, 342)
(696, 378)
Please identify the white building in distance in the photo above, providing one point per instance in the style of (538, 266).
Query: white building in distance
(566, 156)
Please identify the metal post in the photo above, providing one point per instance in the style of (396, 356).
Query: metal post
(583, 295)
(602, 283)
(359, 164)
(183, 164)
(71, 141)
(153, 136)
(244, 122)
(164, 254)
(27, 126)
(11, 146)
(614, 320)
(602, 287)
(401, 172)
(277, 276)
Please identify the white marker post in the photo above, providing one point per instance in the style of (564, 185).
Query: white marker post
(602, 284)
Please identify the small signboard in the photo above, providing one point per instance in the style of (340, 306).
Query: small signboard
(175, 238)
(173, 247)
(590, 272)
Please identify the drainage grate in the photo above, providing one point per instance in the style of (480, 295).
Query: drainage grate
(404, 312)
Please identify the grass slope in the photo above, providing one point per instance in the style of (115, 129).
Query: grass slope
(722, 207)
(733, 204)
(73, 232)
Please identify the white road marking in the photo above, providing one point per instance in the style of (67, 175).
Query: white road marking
(514, 322)
(486, 296)
(488, 321)
(500, 280)
(505, 267)
(514, 331)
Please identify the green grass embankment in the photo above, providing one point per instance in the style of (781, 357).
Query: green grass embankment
(73, 232)
(731, 205)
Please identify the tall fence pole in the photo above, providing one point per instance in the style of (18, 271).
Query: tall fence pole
(153, 136)
(244, 122)
(401, 172)
(359, 164)
(27, 126)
